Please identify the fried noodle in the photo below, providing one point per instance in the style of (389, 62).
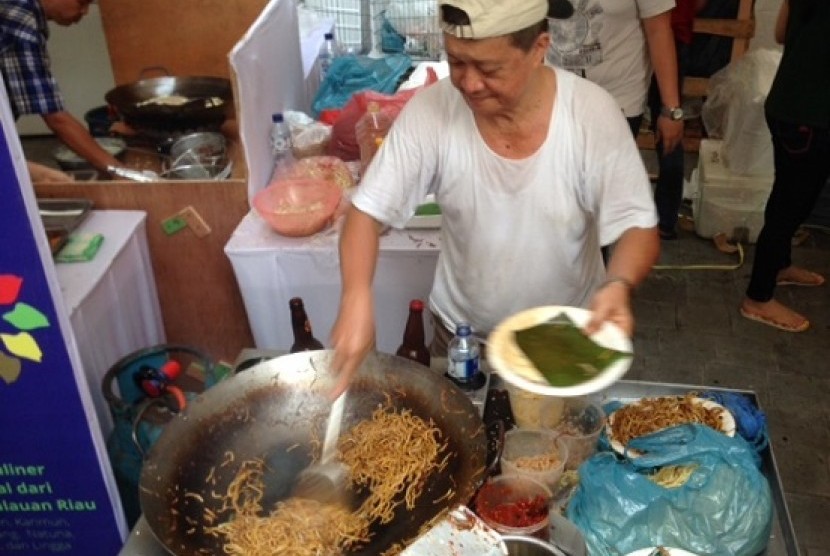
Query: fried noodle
(653, 414)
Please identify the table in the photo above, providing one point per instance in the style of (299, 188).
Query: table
(271, 269)
(111, 300)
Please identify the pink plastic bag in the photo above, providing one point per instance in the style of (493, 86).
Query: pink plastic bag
(343, 142)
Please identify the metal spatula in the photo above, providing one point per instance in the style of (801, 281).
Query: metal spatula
(326, 481)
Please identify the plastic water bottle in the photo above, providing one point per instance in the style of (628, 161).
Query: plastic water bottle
(464, 364)
(328, 52)
(281, 145)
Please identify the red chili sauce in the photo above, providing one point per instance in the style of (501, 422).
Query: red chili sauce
(523, 512)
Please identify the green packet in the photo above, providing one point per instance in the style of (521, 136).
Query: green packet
(428, 209)
(563, 353)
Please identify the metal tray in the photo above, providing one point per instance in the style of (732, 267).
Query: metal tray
(66, 214)
(782, 540)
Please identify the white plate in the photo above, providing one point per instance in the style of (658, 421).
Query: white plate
(671, 551)
(425, 220)
(727, 426)
(520, 372)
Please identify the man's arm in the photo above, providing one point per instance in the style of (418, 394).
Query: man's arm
(76, 136)
(631, 261)
(353, 335)
(663, 55)
(781, 22)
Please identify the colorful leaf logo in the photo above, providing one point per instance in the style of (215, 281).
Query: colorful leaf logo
(23, 318)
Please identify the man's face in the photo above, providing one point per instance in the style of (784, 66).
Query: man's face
(492, 74)
(65, 12)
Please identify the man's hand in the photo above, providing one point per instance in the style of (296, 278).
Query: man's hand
(670, 131)
(612, 302)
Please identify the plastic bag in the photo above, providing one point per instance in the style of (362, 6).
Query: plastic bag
(343, 142)
(351, 74)
(723, 509)
(734, 111)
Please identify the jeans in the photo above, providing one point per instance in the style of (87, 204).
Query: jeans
(801, 154)
(668, 191)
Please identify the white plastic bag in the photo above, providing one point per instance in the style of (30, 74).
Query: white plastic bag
(734, 111)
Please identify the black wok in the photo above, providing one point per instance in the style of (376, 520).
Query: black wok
(130, 102)
(266, 410)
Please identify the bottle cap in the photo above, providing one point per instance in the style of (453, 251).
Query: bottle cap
(328, 36)
(277, 118)
(462, 329)
(416, 305)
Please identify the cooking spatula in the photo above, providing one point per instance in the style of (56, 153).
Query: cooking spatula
(326, 481)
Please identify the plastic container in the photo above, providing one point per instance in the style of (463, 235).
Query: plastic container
(534, 453)
(370, 131)
(298, 207)
(579, 429)
(534, 411)
(500, 500)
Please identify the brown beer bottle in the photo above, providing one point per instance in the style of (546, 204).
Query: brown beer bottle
(413, 346)
(304, 339)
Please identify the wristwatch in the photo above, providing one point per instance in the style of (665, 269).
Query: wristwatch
(673, 114)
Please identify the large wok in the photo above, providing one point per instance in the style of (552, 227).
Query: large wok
(130, 102)
(265, 410)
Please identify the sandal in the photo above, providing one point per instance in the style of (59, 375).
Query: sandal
(805, 324)
(804, 278)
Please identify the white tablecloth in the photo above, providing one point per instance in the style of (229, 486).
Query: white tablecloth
(112, 301)
(271, 269)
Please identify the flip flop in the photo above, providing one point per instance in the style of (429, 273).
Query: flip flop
(775, 324)
(815, 280)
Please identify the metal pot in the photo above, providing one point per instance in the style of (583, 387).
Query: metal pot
(267, 410)
(142, 104)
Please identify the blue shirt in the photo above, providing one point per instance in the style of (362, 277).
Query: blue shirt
(24, 60)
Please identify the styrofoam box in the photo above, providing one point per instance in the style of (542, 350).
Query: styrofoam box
(727, 201)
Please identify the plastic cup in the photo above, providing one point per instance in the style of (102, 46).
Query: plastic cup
(539, 444)
(579, 429)
(534, 411)
(502, 504)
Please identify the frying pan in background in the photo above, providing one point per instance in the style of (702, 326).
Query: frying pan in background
(273, 406)
(135, 104)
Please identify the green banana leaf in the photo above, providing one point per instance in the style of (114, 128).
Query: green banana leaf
(563, 353)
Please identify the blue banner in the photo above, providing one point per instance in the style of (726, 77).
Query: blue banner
(57, 493)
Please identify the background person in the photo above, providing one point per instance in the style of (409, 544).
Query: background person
(533, 167)
(668, 189)
(798, 116)
(25, 65)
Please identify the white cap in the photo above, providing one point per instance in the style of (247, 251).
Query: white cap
(494, 18)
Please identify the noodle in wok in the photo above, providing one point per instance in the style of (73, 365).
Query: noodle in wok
(390, 455)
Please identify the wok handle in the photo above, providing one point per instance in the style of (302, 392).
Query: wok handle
(160, 69)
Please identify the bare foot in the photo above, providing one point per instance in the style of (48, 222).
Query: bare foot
(797, 276)
(774, 314)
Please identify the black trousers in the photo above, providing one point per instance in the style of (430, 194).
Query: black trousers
(802, 165)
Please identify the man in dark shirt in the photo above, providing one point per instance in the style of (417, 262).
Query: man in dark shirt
(25, 65)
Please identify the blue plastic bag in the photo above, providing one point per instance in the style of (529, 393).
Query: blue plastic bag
(723, 509)
(351, 74)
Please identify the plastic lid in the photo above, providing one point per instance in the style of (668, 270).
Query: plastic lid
(416, 305)
(277, 118)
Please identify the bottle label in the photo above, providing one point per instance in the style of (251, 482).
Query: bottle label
(463, 371)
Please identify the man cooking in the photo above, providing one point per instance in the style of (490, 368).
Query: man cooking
(25, 65)
(534, 169)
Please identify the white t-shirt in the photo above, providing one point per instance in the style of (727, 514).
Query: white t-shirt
(515, 233)
(604, 42)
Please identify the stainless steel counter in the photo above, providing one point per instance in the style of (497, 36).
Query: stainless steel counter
(782, 538)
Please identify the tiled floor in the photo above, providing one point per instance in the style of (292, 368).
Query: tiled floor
(689, 331)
